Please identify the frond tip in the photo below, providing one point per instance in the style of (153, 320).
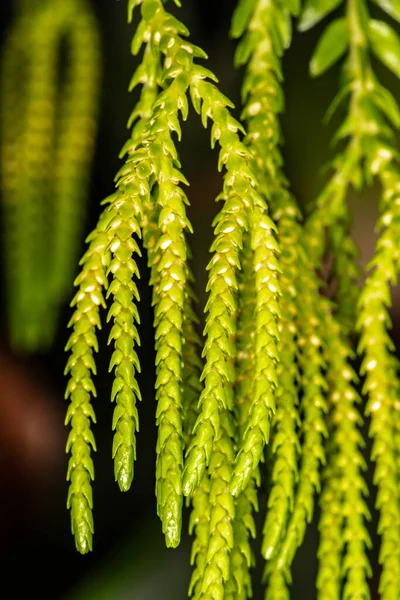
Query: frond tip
(80, 366)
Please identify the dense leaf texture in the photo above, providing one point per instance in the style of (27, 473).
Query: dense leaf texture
(272, 389)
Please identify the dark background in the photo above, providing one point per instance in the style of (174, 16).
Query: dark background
(37, 554)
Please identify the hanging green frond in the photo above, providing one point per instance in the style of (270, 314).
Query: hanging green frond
(272, 392)
(330, 537)
(26, 160)
(262, 95)
(240, 195)
(285, 443)
(379, 367)
(125, 213)
(199, 526)
(314, 431)
(152, 171)
(82, 344)
(266, 313)
(217, 564)
(369, 154)
(76, 131)
(345, 486)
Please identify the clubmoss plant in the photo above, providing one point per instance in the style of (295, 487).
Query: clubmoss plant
(275, 369)
(48, 127)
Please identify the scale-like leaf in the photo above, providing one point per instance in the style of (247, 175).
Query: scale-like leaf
(331, 46)
(241, 17)
(315, 10)
(293, 7)
(392, 7)
(385, 44)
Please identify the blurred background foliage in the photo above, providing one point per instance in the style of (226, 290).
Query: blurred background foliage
(37, 553)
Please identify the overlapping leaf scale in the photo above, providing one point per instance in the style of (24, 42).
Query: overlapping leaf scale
(330, 544)
(214, 430)
(170, 294)
(199, 522)
(262, 94)
(191, 387)
(286, 447)
(389, 239)
(217, 565)
(192, 363)
(219, 350)
(134, 183)
(168, 322)
(239, 196)
(125, 213)
(179, 58)
(156, 157)
(263, 98)
(239, 585)
(199, 527)
(379, 367)
(119, 221)
(313, 406)
(346, 466)
(262, 408)
(82, 344)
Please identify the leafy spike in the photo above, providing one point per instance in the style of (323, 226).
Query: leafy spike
(82, 343)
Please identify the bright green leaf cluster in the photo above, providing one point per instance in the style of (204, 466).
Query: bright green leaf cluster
(81, 365)
(239, 584)
(273, 381)
(370, 154)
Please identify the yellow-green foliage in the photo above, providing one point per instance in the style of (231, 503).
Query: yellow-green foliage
(275, 369)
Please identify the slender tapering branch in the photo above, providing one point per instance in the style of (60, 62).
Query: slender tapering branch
(82, 345)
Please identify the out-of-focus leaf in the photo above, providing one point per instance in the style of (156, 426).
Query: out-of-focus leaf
(315, 10)
(293, 7)
(241, 17)
(387, 104)
(331, 46)
(392, 7)
(385, 44)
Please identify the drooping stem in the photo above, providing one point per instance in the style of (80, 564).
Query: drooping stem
(82, 345)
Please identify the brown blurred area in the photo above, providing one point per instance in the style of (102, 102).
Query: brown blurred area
(31, 439)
